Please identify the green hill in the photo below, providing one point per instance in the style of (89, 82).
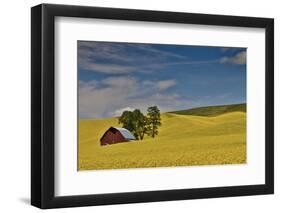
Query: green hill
(213, 110)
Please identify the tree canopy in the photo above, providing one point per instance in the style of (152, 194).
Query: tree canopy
(141, 125)
(154, 120)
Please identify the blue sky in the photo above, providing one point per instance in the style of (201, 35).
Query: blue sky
(124, 76)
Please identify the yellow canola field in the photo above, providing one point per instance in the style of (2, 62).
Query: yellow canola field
(183, 140)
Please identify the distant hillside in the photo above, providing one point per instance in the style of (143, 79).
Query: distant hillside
(213, 110)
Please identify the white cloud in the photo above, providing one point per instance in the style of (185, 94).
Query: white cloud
(119, 112)
(99, 50)
(121, 57)
(239, 58)
(148, 48)
(111, 96)
(89, 84)
(160, 85)
(109, 68)
(163, 85)
(123, 81)
(161, 97)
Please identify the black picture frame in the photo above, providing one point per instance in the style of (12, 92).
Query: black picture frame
(43, 102)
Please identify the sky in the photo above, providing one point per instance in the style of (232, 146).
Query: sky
(113, 77)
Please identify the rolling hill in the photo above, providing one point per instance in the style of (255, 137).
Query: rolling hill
(213, 110)
(216, 136)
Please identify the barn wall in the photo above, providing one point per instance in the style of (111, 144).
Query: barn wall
(111, 138)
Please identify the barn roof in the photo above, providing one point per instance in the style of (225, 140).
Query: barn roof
(126, 133)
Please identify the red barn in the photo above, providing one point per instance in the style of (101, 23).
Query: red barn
(116, 135)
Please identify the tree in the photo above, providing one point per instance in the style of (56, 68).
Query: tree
(135, 122)
(153, 120)
(140, 123)
(127, 120)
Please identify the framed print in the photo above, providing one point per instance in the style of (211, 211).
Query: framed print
(136, 106)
